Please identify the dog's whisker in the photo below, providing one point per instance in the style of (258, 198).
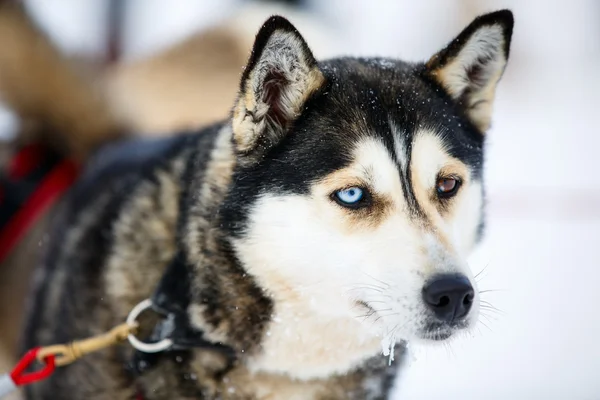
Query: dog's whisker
(492, 311)
(489, 318)
(367, 286)
(479, 274)
(488, 305)
(479, 330)
(385, 316)
(380, 316)
(363, 289)
(387, 285)
(484, 324)
(449, 349)
(382, 310)
(486, 302)
(409, 321)
(492, 290)
(367, 315)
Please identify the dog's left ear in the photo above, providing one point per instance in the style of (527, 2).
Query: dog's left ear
(280, 76)
(470, 67)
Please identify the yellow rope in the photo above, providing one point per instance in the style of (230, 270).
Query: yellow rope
(67, 353)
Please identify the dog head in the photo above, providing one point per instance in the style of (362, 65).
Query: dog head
(359, 181)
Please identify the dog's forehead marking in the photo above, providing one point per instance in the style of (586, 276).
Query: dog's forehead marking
(372, 157)
(401, 145)
(403, 151)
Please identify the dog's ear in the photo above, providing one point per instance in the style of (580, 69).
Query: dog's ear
(470, 67)
(278, 79)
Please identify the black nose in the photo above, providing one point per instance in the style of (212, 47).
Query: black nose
(449, 296)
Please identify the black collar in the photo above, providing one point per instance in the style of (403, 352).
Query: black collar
(171, 300)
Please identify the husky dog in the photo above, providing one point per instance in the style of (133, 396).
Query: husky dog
(326, 222)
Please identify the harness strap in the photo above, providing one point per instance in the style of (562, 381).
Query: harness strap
(35, 179)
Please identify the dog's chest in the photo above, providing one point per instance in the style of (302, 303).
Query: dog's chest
(303, 345)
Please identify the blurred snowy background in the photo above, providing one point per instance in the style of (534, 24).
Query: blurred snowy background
(543, 187)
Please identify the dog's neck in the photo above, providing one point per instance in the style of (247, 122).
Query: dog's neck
(225, 302)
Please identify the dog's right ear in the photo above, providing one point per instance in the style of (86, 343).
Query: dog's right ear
(470, 67)
(278, 79)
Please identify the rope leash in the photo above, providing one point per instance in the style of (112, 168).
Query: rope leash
(65, 354)
(60, 355)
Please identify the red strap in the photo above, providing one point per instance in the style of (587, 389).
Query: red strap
(20, 378)
(56, 182)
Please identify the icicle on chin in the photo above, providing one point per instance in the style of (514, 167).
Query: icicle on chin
(388, 344)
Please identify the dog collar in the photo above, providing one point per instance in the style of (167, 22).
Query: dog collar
(171, 300)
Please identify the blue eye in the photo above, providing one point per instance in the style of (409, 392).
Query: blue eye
(350, 196)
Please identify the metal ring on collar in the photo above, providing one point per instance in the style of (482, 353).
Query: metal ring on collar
(137, 344)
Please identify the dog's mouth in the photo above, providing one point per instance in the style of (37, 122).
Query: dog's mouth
(437, 335)
(438, 331)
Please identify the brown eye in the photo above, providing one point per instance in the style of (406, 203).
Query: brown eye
(447, 187)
